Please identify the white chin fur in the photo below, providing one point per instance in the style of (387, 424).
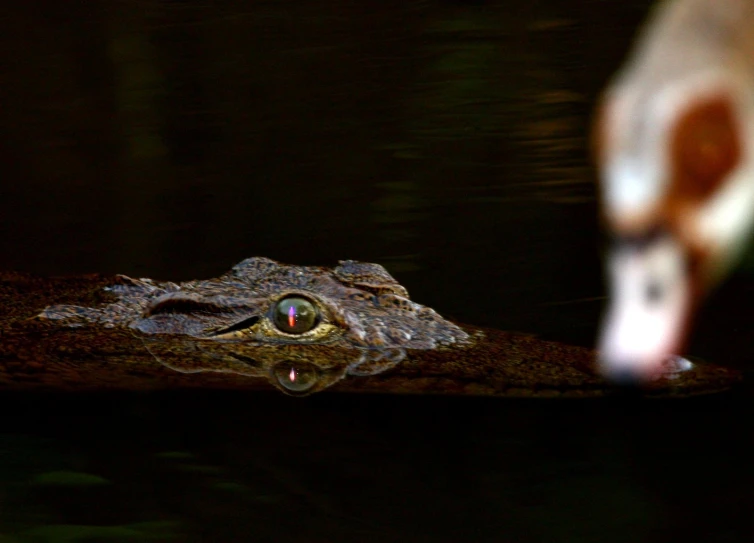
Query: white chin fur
(649, 303)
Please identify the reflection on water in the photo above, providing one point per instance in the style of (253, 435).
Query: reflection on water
(297, 370)
(445, 140)
(303, 328)
(117, 333)
(296, 378)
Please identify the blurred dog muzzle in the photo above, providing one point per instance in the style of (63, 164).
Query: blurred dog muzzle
(650, 301)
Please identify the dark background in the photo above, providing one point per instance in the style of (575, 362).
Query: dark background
(444, 140)
(447, 141)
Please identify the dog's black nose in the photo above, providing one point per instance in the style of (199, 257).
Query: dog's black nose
(626, 376)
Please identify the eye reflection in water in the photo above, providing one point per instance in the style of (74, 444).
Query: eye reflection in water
(296, 377)
(296, 370)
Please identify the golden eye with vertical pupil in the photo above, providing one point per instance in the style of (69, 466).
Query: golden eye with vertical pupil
(295, 315)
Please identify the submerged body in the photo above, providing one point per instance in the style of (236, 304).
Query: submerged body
(673, 144)
(238, 332)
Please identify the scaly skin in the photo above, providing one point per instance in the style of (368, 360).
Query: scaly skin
(81, 334)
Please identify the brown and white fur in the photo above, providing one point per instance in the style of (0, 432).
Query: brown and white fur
(674, 145)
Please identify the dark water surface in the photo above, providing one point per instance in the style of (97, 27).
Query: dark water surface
(444, 140)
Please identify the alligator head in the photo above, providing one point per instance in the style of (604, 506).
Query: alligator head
(263, 318)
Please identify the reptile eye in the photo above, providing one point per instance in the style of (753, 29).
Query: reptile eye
(296, 378)
(295, 315)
